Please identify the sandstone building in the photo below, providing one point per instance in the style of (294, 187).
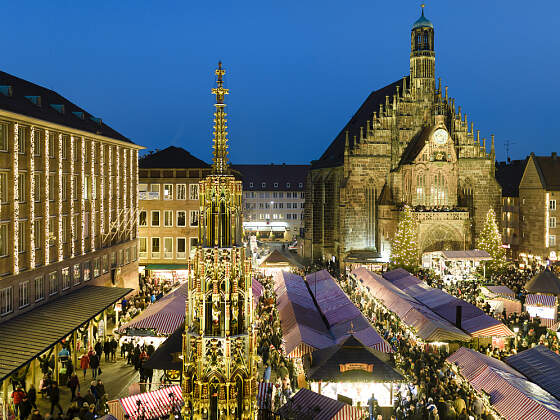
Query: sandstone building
(408, 143)
(68, 199)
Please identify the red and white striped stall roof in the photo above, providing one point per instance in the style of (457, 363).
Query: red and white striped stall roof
(264, 395)
(155, 403)
(324, 408)
(548, 323)
(540, 300)
(512, 395)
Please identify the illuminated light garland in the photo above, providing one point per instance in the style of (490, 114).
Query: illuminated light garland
(136, 190)
(15, 212)
(110, 186)
(31, 172)
(46, 201)
(93, 197)
(82, 199)
(59, 203)
(117, 191)
(101, 192)
(125, 190)
(71, 211)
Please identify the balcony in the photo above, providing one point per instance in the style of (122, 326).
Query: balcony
(440, 213)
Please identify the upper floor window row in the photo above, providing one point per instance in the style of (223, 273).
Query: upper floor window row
(165, 191)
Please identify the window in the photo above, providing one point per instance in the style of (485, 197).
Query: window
(85, 188)
(288, 185)
(65, 278)
(276, 185)
(64, 146)
(21, 236)
(77, 276)
(155, 247)
(93, 188)
(167, 248)
(104, 264)
(552, 222)
(168, 218)
(143, 247)
(39, 288)
(37, 142)
(96, 267)
(143, 218)
(280, 195)
(193, 243)
(552, 204)
(63, 186)
(64, 229)
(289, 215)
(75, 194)
(86, 224)
(21, 139)
(181, 248)
(154, 192)
(551, 240)
(251, 185)
(143, 191)
(181, 192)
(87, 271)
(3, 137)
(181, 218)
(3, 240)
(53, 282)
(4, 187)
(193, 218)
(300, 185)
(168, 191)
(37, 234)
(21, 188)
(263, 185)
(51, 187)
(113, 259)
(6, 300)
(23, 294)
(51, 144)
(52, 230)
(134, 253)
(37, 187)
(193, 191)
(155, 218)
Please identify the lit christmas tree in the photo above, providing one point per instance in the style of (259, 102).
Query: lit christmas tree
(490, 240)
(404, 249)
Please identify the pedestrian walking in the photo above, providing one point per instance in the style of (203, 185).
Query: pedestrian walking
(84, 363)
(94, 364)
(114, 346)
(17, 398)
(107, 349)
(54, 397)
(32, 395)
(74, 384)
(24, 408)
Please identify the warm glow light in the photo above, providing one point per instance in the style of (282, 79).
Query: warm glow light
(59, 201)
(71, 215)
(15, 267)
(31, 174)
(46, 211)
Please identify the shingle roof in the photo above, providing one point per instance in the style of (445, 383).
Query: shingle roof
(171, 157)
(544, 282)
(273, 174)
(334, 155)
(20, 96)
(548, 168)
(509, 176)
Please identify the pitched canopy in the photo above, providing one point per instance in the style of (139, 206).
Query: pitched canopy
(544, 282)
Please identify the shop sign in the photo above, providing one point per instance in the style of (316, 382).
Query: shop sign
(356, 366)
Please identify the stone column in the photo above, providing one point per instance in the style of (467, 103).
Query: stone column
(75, 349)
(56, 350)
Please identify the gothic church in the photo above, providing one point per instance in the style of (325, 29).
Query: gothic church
(408, 144)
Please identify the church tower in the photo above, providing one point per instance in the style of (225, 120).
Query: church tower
(422, 59)
(219, 349)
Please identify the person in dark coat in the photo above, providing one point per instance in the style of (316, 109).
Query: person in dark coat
(32, 395)
(74, 384)
(107, 349)
(99, 349)
(24, 408)
(99, 389)
(73, 411)
(114, 346)
(35, 415)
(94, 364)
(54, 397)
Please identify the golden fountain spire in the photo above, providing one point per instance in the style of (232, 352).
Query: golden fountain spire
(220, 165)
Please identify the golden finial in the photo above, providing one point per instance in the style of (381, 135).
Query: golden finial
(422, 6)
(220, 124)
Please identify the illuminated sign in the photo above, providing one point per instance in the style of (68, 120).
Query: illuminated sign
(356, 366)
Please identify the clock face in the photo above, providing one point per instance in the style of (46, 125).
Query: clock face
(440, 136)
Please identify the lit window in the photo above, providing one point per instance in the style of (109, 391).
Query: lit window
(6, 300)
(23, 294)
(168, 248)
(143, 218)
(552, 205)
(193, 218)
(276, 185)
(39, 288)
(143, 247)
(193, 191)
(168, 191)
(181, 248)
(181, 218)
(551, 240)
(154, 192)
(168, 218)
(65, 278)
(3, 138)
(181, 192)
(155, 218)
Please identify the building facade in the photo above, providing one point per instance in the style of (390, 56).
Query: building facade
(169, 212)
(219, 346)
(408, 144)
(273, 200)
(68, 192)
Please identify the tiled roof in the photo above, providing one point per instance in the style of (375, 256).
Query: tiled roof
(283, 175)
(171, 158)
(549, 171)
(509, 176)
(334, 155)
(22, 97)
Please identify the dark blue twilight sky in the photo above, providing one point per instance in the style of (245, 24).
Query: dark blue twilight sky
(297, 70)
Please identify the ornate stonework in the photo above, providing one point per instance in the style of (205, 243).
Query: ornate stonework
(407, 144)
(219, 343)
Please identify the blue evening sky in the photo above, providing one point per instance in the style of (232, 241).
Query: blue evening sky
(297, 70)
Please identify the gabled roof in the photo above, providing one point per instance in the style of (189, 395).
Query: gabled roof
(170, 158)
(288, 177)
(541, 366)
(307, 404)
(509, 176)
(334, 155)
(416, 145)
(328, 364)
(166, 355)
(26, 98)
(548, 168)
(276, 258)
(544, 282)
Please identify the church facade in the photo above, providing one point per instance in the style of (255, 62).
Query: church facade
(408, 144)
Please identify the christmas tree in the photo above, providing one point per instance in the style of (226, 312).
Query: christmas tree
(404, 249)
(490, 240)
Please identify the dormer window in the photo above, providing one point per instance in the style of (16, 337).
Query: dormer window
(288, 185)
(250, 185)
(300, 185)
(263, 185)
(276, 185)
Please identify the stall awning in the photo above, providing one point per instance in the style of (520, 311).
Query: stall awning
(167, 267)
(27, 336)
(155, 403)
(540, 300)
(322, 407)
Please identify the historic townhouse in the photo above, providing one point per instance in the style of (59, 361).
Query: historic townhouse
(68, 190)
(408, 144)
(169, 211)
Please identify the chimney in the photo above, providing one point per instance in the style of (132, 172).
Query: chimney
(458, 315)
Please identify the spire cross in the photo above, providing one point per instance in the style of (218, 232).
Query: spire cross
(422, 6)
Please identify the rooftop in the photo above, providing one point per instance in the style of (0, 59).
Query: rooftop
(171, 158)
(508, 175)
(548, 168)
(281, 177)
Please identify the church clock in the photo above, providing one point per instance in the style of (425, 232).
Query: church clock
(440, 136)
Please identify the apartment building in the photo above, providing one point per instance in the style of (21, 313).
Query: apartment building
(168, 210)
(273, 200)
(68, 199)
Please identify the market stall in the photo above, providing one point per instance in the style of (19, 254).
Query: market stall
(148, 405)
(352, 371)
(501, 298)
(275, 262)
(309, 404)
(455, 265)
(170, 273)
(543, 306)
